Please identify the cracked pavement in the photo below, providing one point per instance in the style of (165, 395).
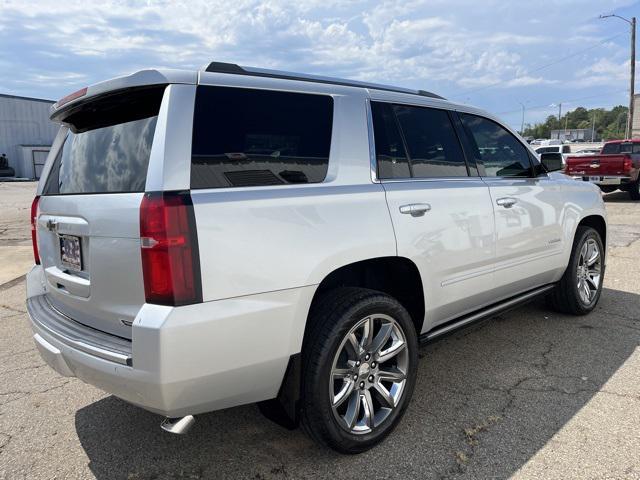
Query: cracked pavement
(527, 394)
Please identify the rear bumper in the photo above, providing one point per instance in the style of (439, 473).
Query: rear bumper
(184, 360)
(604, 179)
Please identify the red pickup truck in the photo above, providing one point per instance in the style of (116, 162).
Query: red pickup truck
(616, 167)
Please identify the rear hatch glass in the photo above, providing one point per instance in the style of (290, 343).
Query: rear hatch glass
(108, 145)
(88, 222)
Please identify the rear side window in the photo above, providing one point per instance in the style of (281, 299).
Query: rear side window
(500, 152)
(434, 149)
(245, 137)
(390, 152)
(108, 145)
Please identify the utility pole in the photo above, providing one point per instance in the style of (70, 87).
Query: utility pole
(522, 123)
(593, 126)
(632, 80)
(559, 113)
(633, 77)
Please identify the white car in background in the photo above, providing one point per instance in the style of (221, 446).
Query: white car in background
(565, 150)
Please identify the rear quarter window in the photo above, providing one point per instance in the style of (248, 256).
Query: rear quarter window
(611, 149)
(108, 144)
(248, 137)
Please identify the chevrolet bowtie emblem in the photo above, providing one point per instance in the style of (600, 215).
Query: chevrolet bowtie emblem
(52, 225)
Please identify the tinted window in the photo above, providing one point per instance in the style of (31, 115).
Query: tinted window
(617, 148)
(501, 154)
(390, 153)
(547, 150)
(247, 137)
(434, 150)
(108, 145)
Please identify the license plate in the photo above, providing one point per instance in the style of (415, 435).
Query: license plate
(71, 252)
(594, 179)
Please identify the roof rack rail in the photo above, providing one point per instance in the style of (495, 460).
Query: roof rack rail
(221, 67)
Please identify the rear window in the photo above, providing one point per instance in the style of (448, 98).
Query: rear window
(246, 137)
(548, 150)
(108, 145)
(617, 148)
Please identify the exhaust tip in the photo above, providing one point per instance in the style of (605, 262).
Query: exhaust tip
(179, 426)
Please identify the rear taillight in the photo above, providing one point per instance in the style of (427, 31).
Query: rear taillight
(34, 221)
(169, 247)
(627, 164)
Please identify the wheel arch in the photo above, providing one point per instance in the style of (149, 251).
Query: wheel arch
(396, 276)
(598, 223)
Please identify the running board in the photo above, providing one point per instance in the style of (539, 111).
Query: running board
(489, 311)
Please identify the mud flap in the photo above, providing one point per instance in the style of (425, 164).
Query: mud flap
(284, 409)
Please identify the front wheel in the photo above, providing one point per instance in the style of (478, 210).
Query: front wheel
(359, 368)
(579, 290)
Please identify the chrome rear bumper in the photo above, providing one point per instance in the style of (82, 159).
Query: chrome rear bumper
(78, 336)
(603, 179)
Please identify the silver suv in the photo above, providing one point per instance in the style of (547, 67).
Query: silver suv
(234, 235)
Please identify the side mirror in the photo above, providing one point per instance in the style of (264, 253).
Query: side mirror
(552, 161)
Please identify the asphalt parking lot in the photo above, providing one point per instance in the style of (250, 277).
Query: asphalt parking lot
(528, 394)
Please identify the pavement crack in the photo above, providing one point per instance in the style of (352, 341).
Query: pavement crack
(15, 354)
(10, 308)
(5, 438)
(625, 317)
(21, 369)
(25, 393)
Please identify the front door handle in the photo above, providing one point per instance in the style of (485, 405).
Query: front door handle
(415, 209)
(507, 202)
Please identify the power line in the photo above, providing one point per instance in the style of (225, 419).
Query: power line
(541, 67)
(546, 105)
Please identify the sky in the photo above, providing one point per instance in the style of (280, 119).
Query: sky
(497, 55)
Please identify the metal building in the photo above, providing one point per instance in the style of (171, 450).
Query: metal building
(26, 133)
(572, 134)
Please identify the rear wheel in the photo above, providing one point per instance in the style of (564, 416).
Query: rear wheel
(359, 368)
(579, 290)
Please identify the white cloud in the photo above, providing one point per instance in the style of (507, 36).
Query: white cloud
(603, 72)
(451, 45)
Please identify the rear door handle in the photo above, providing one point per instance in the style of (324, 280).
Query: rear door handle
(506, 202)
(415, 209)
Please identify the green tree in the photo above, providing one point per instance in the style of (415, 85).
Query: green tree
(609, 124)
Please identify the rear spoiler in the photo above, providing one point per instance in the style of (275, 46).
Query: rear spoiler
(138, 79)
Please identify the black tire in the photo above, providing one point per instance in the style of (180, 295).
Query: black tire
(634, 190)
(332, 317)
(565, 298)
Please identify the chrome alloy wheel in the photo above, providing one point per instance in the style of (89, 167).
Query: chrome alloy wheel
(589, 270)
(369, 373)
